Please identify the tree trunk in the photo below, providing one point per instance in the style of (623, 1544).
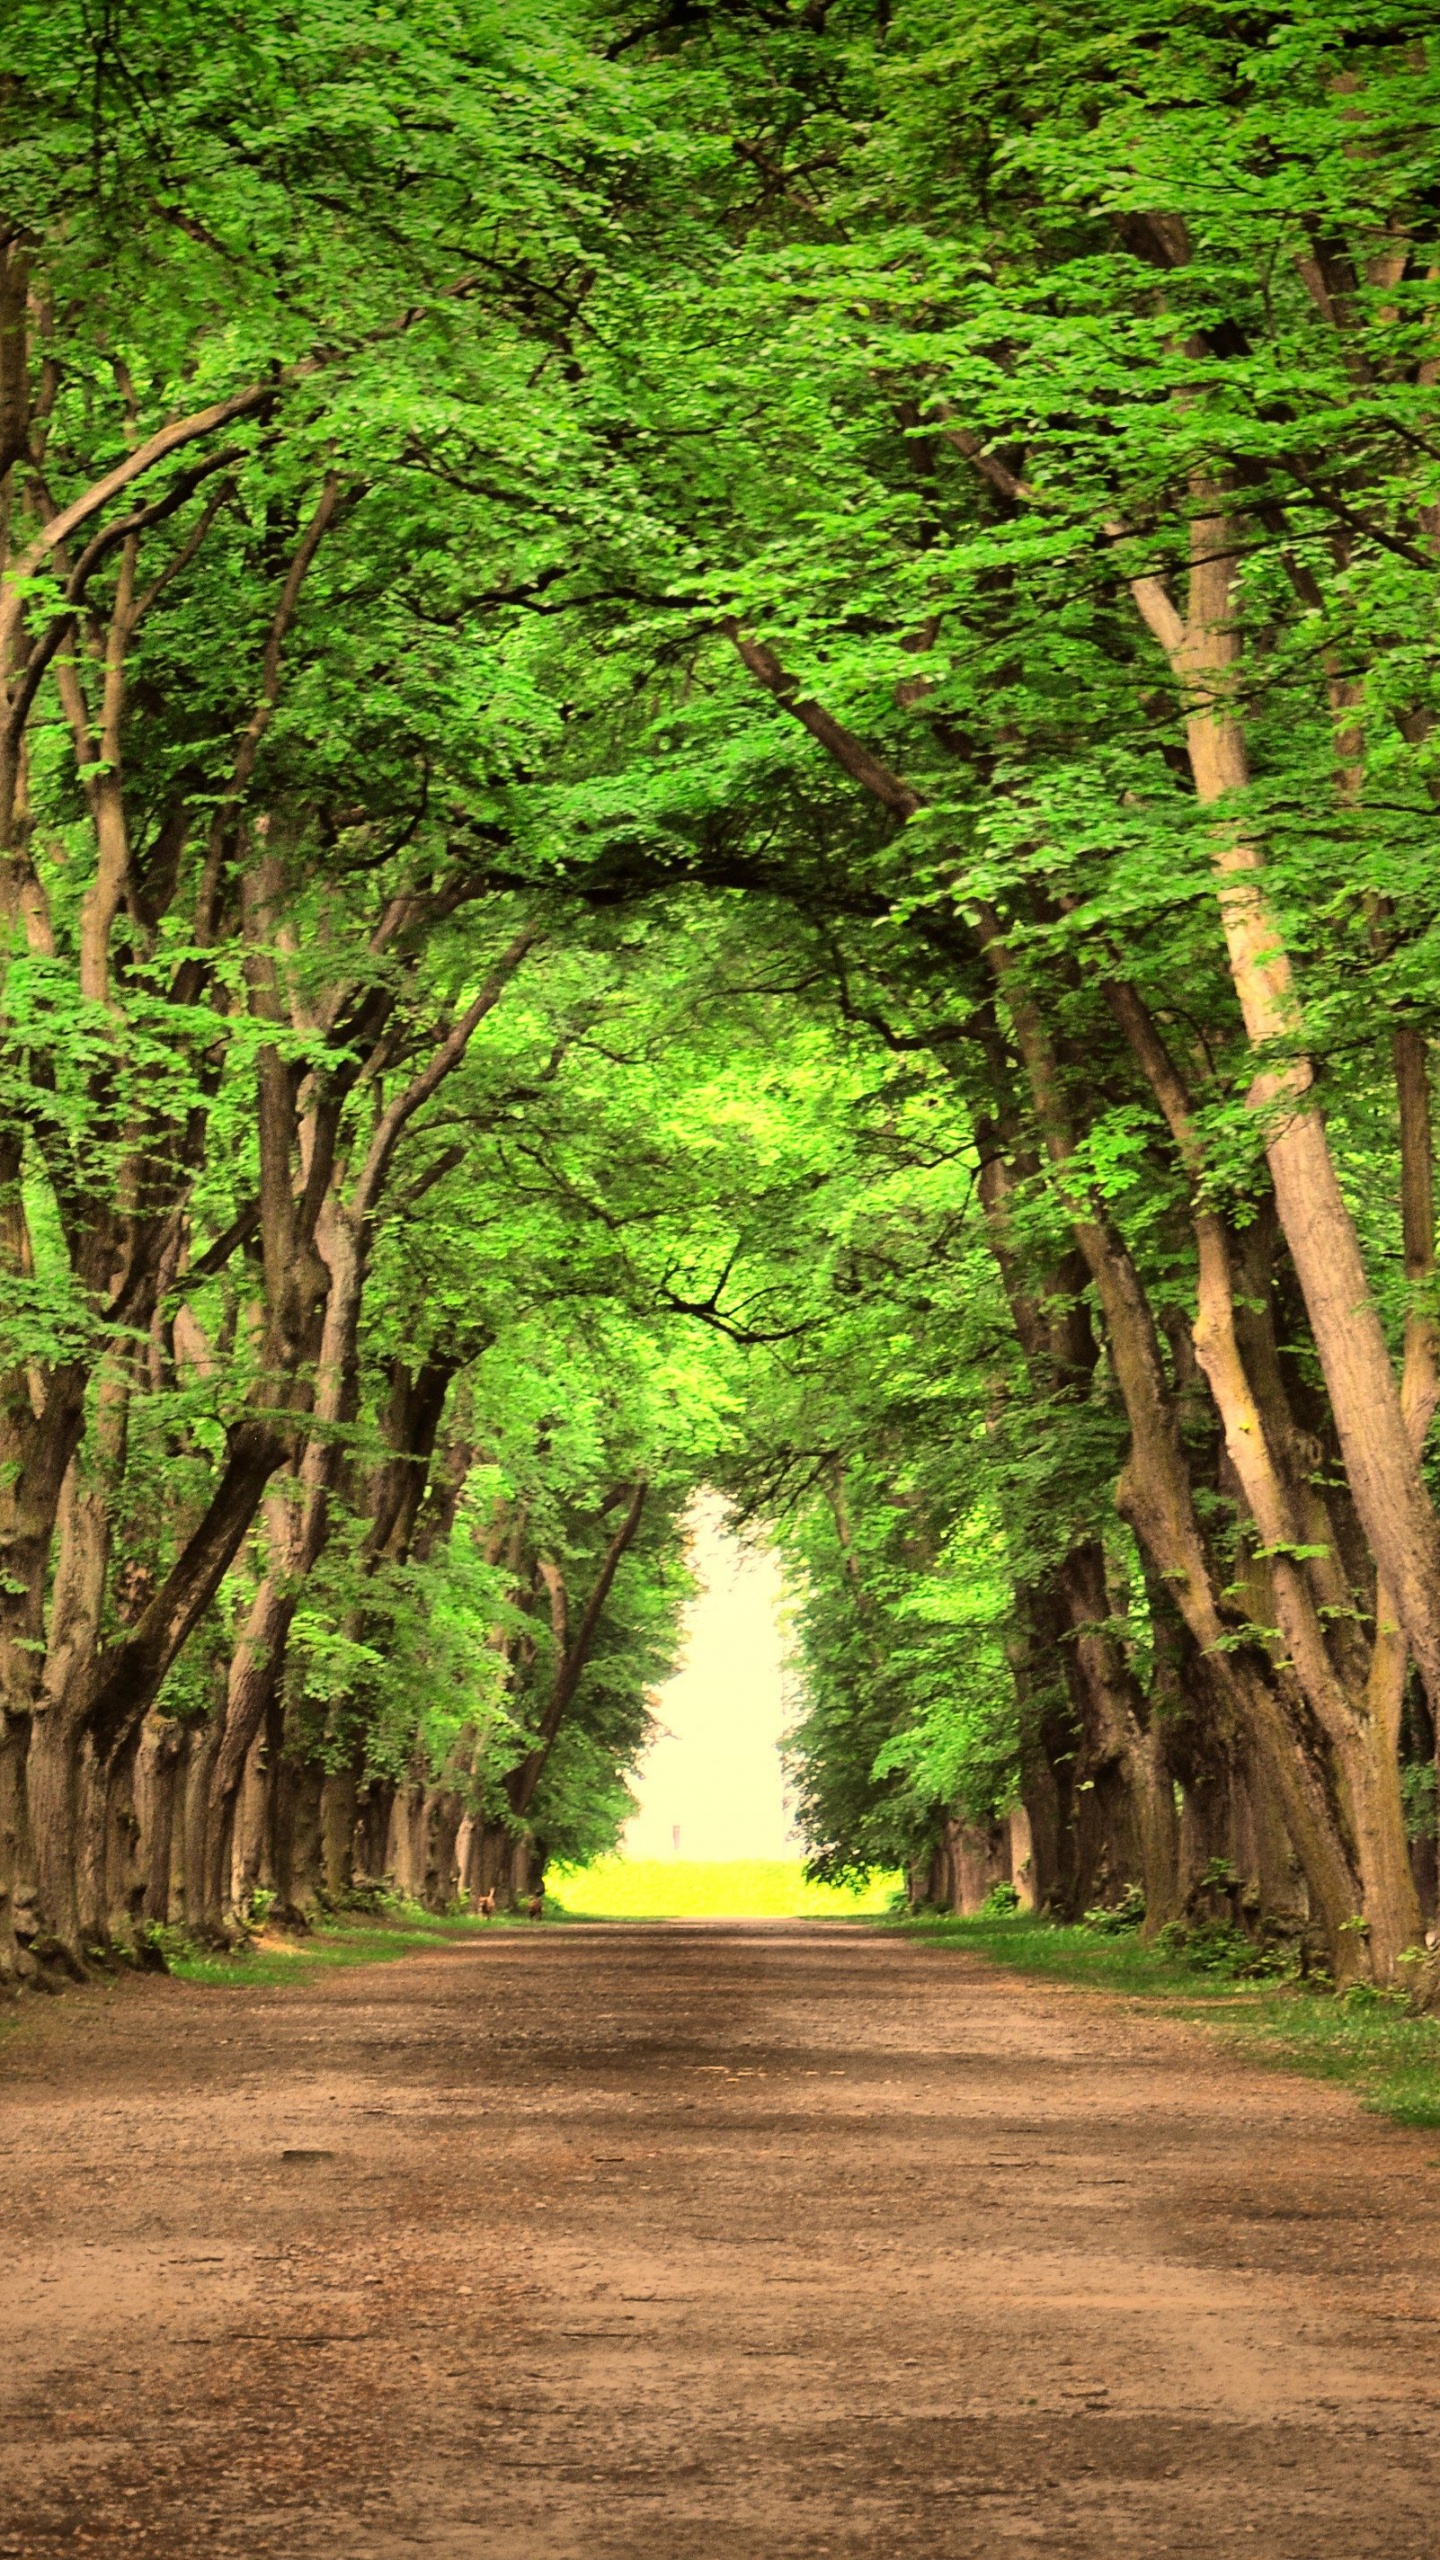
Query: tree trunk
(527, 1868)
(124, 1871)
(157, 1770)
(1042, 1667)
(373, 1831)
(1024, 1867)
(1390, 1903)
(251, 1847)
(252, 1689)
(490, 1863)
(1126, 1811)
(199, 1758)
(52, 1787)
(299, 1868)
(405, 1856)
(1261, 1849)
(339, 1803)
(15, 1878)
(929, 1884)
(978, 1859)
(1381, 1463)
(1153, 1796)
(445, 1810)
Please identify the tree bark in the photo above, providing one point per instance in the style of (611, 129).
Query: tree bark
(339, 1805)
(14, 1842)
(1381, 1462)
(572, 1654)
(157, 1778)
(1365, 1742)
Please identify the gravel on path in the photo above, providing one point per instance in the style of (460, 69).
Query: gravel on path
(713, 2241)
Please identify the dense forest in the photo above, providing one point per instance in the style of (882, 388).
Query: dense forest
(718, 768)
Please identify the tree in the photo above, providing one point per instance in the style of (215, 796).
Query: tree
(882, 582)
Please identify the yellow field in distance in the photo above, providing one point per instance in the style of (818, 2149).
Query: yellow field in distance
(695, 1889)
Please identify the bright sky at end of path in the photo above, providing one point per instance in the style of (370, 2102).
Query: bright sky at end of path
(714, 1770)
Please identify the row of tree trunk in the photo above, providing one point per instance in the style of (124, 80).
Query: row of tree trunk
(1292, 1647)
(306, 1839)
(1067, 1851)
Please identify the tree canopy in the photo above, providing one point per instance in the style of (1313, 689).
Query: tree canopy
(718, 767)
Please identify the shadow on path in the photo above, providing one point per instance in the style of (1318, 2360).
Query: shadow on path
(702, 2241)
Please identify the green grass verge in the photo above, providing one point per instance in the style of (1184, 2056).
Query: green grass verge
(352, 1938)
(369, 1937)
(1367, 2042)
(1370, 2042)
(699, 1889)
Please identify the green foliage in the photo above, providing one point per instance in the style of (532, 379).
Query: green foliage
(1417, 1788)
(999, 1902)
(903, 349)
(1112, 1920)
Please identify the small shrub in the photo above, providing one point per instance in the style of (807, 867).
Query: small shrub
(1218, 1948)
(999, 1902)
(1111, 1920)
(1362, 1995)
(1218, 1872)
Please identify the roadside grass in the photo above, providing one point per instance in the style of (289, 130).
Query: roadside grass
(1369, 2041)
(350, 1938)
(377, 1935)
(701, 1889)
(611, 1889)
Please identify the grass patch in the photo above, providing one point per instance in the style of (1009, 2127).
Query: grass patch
(701, 1889)
(348, 1939)
(1368, 2041)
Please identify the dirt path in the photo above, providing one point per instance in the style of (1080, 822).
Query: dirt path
(733, 2242)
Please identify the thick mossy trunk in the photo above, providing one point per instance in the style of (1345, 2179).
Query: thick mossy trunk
(52, 1789)
(1023, 1863)
(195, 1856)
(299, 1852)
(929, 1878)
(1107, 1847)
(125, 1869)
(445, 1811)
(489, 1863)
(405, 1854)
(1158, 1825)
(1390, 1903)
(17, 1874)
(1046, 1792)
(339, 1803)
(372, 1831)
(1261, 1852)
(527, 1867)
(252, 1858)
(977, 1858)
(158, 1763)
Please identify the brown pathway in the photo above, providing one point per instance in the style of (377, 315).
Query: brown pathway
(699, 2243)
